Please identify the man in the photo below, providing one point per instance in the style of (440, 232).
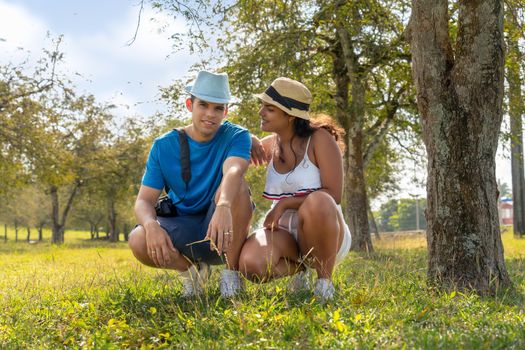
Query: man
(213, 207)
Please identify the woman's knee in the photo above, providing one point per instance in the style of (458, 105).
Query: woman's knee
(318, 205)
(252, 264)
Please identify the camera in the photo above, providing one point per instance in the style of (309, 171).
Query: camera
(165, 207)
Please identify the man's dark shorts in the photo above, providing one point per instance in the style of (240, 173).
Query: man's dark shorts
(187, 229)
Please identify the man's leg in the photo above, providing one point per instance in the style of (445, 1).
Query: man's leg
(137, 243)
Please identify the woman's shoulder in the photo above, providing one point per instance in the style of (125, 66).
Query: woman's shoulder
(322, 141)
(321, 135)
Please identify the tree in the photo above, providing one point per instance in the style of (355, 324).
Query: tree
(19, 106)
(459, 94)
(352, 57)
(73, 131)
(122, 173)
(516, 108)
(386, 212)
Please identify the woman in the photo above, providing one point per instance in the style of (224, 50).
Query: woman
(305, 181)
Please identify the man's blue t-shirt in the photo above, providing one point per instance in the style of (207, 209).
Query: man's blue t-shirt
(206, 159)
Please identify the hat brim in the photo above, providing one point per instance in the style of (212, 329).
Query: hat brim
(294, 112)
(207, 98)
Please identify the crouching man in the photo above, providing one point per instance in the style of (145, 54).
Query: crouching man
(205, 219)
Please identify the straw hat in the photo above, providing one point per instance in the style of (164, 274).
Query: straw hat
(210, 87)
(288, 95)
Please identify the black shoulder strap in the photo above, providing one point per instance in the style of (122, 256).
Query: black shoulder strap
(185, 168)
(184, 156)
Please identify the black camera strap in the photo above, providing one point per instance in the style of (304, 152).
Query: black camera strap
(184, 157)
(185, 168)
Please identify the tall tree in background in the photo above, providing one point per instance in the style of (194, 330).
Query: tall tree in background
(516, 107)
(459, 94)
(72, 131)
(122, 173)
(350, 54)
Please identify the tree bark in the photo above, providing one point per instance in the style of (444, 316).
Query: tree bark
(59, 223)
(40, 235)
(460, 98)
(516, 109)
(28, 234)
(16, 231)
(112, 221)
(126, 232)
(57, 230)
(372, 223)
(354, 179)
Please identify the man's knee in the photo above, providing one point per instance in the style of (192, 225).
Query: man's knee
(137, 242)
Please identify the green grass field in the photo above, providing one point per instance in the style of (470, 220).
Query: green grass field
(95, 295)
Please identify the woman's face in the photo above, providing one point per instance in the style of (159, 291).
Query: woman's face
(273, 119)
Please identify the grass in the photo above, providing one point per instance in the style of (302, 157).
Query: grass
(95, 295)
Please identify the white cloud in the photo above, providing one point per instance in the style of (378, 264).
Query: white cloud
(107, 67)
(19, 29)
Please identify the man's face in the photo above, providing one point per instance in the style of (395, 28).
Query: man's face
(206, 117)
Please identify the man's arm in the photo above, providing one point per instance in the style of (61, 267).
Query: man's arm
(157, 240)
(220, 229)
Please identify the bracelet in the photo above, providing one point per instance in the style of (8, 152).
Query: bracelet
(224, 205)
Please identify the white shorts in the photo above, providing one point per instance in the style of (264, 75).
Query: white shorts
(289, 221)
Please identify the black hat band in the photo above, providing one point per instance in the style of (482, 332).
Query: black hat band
(286, 101)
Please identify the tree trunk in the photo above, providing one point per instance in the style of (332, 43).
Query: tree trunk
(516, 109)
(40, 235)
(57, 229)
(5, 232)
(460, 103)
(352, 115)
(126, 232)
(28, 234)
(58, 224)
(372, 223)
(112, 221)
(355, 179)
(16, 231)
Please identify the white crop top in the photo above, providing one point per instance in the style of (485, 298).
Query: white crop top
(303, 179)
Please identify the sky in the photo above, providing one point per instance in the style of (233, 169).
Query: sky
(95, 35)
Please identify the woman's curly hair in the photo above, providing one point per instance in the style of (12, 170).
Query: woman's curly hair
(304, 128)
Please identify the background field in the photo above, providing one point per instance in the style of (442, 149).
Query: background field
(95, 295)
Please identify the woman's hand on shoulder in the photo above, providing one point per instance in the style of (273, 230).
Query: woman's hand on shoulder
(261, 151)
(257, 155)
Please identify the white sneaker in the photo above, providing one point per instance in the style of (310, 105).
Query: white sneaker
(324, 289)
(194, 279)
(300, 281)
(230, 283)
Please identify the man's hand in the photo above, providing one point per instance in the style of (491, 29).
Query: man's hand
(159, 244)
(257, 155)
(220, 229)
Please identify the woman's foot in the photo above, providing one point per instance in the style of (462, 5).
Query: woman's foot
(324, 289)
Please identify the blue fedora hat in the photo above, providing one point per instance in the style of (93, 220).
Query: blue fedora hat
(210, 87)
